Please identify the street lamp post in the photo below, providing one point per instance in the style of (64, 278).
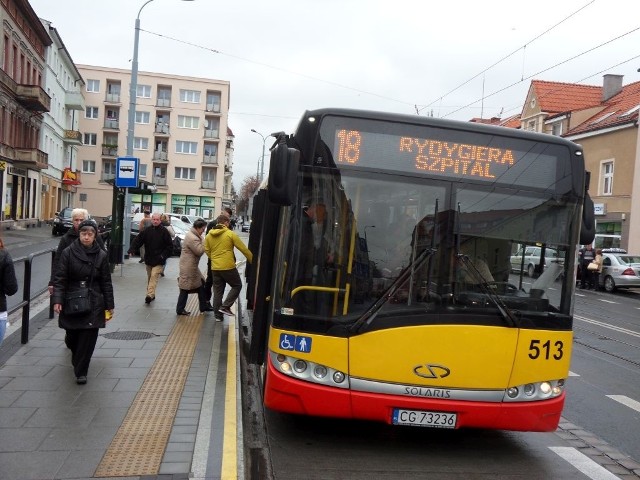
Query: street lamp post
(131, 124)
(261, 170)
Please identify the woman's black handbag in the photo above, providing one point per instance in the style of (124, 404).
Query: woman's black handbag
(77, 302)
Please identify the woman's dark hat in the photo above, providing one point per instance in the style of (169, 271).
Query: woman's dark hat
(88, 223)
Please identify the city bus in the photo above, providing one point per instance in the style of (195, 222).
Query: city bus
(384, 285)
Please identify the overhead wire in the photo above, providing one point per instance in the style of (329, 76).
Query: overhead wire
(537, 37)
(545, 70)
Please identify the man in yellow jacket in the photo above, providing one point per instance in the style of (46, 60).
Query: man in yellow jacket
(219, 244)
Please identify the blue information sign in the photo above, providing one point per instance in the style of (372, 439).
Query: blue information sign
(127, 172)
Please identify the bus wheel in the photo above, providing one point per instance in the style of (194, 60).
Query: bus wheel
(609, 284)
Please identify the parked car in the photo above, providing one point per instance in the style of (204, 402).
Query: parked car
(246, 226)
(185, 218)
(619, 269)
(532, 259)
(62, 222)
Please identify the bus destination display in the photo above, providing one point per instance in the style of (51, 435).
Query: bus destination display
(448, 158)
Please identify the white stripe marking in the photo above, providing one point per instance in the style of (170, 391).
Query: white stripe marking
(571, 374)
(624, 400)
(606, 301)
(608, 325)
(583, 463)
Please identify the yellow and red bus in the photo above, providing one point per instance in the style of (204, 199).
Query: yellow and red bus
(389, 280)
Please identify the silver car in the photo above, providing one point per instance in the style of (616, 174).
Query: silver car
(619, 269)
(531, 259)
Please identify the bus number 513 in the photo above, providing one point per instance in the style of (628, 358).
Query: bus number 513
(349, 146)
(546, 349)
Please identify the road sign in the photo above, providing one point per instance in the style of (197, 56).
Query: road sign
(127, 172)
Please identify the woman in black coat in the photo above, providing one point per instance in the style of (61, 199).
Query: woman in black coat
(8, 285)
(83, 263)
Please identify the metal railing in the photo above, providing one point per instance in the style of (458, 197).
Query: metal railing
(25, 304)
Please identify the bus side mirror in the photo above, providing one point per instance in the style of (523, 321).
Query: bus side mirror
(588, 224)
(283, 174)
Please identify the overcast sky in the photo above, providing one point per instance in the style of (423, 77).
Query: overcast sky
(283, 57)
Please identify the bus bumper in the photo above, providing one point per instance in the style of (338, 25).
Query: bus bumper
(289, 395)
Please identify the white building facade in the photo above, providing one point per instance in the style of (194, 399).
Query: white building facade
(181, 137)
(60, 135)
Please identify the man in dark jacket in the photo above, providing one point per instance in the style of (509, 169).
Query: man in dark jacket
(157, 248)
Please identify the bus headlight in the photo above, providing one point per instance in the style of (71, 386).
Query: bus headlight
(531, 392)
(300, 366)
(308, 371)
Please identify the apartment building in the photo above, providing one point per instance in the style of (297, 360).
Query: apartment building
(60, 136)
(23, 102)
(181, 137)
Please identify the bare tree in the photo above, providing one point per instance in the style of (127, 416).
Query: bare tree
(247, 189)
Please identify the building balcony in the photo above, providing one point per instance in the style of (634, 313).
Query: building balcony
(112, 98)
(208, 185)
(7, 81)
(227, 171)
(211, 133)
(109, 150)
(72, 137)
(161, 129)
(33, 97)
(106, 177)
(32, 158)
(213, 107)
(112, 124)
(160, 156)
(163, 102)
(73, 101)
(210, 160)
(160, 181)
(7, 152)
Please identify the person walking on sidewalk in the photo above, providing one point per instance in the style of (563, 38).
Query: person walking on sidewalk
(190, 278)
(208, 284)
(83, 266)
(8, 285)
(78, 215)
(219, 245)
(144, 223)
(157, 248)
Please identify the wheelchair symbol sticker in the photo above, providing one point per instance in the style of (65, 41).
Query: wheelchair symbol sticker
(295, 343)
(287, 342)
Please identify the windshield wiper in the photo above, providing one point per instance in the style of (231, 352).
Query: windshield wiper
(508, 314)
(370, 314)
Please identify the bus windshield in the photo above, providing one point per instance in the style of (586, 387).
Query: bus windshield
(363, 250)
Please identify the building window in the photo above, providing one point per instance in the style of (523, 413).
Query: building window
(143, 91)
(531, 125)
(90, 139)
(88, 166)
(188, 122)
(606, 173)
(209, 175)
(93, 86)
(183, 173)
(142, 170)
(556, 129)
(91, 112)
(140, 143)
(186, 147)
(142, 117)
(190, 96)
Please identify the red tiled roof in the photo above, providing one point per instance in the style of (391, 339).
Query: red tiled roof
(559, 97)
(617, 111)
(509, 122)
